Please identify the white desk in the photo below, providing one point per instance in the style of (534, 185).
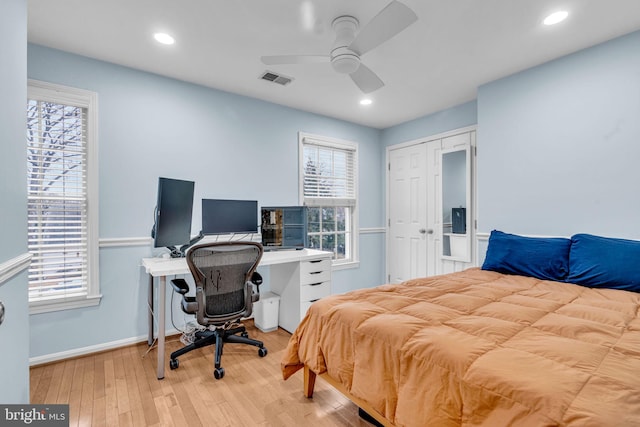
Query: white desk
(301, 274)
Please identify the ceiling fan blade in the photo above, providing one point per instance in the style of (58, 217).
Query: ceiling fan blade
(366, 79)
(293, 59)
(391, 20)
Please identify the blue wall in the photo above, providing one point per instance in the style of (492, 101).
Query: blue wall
(453, 118)
(14, 332)
(559, 144)
(231, 146)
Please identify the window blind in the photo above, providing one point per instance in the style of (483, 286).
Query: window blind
(57, 200)
(329, 174)
(328, 187)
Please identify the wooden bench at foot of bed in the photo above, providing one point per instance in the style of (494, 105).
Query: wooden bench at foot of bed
(310, 382)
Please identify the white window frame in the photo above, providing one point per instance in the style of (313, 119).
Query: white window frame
(49, 92)
(318, 140)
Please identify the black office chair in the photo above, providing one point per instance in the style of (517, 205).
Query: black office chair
(225, 276)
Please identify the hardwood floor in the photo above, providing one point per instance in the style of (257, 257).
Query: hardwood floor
(120, 388)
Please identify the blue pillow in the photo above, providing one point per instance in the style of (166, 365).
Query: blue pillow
(604, 262)
(545, 258)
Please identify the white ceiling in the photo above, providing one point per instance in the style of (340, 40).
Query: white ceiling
(436, 63)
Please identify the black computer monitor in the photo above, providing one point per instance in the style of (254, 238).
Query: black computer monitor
(173, 214)
(220, 216)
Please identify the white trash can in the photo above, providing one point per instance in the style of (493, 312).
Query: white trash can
(265, 312)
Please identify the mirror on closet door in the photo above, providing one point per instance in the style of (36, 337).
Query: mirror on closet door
(456, 203)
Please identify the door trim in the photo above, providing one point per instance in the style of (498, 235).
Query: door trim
(430, 138)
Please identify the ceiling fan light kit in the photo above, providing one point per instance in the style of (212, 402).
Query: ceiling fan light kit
(345, 62)
(349, 46)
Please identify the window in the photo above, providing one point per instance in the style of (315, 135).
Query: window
(328, 171)
(62, 197)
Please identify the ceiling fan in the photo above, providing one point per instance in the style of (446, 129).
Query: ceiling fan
(349, 46)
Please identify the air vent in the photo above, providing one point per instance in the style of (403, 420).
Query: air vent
(276, 78)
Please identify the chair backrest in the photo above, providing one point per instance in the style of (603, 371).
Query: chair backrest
(221, 271)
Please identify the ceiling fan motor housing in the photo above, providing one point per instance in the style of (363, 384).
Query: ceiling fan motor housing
(343, 59)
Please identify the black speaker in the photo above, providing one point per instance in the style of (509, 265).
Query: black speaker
(459, 220)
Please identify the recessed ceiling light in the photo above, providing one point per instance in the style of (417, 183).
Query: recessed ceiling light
(164, 38)
(366, 101)
(556, 17)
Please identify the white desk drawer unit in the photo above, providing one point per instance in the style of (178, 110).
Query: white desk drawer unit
(299, 286)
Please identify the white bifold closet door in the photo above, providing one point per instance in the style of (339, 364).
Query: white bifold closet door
(414, 212)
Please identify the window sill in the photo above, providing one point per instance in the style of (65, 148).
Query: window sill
(344, 265)
(66, 304)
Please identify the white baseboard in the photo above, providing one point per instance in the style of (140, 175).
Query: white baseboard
(77, 352)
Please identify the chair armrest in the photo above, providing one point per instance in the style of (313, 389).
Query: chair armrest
(255, 296)
(256, 278)
(180, 286)
(189, 305)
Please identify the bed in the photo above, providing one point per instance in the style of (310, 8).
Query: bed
(487, 346)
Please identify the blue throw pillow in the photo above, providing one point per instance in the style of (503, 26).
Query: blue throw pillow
(604, 262)
(545, 258)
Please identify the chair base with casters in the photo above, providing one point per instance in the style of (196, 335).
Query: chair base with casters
(218, 337)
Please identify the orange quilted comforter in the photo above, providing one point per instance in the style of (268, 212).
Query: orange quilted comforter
(480, 348)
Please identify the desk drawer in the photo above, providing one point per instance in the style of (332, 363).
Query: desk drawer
(314, 266)
(315, 291)
(315, 277)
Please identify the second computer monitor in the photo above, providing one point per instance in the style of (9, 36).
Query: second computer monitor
(221, 216)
